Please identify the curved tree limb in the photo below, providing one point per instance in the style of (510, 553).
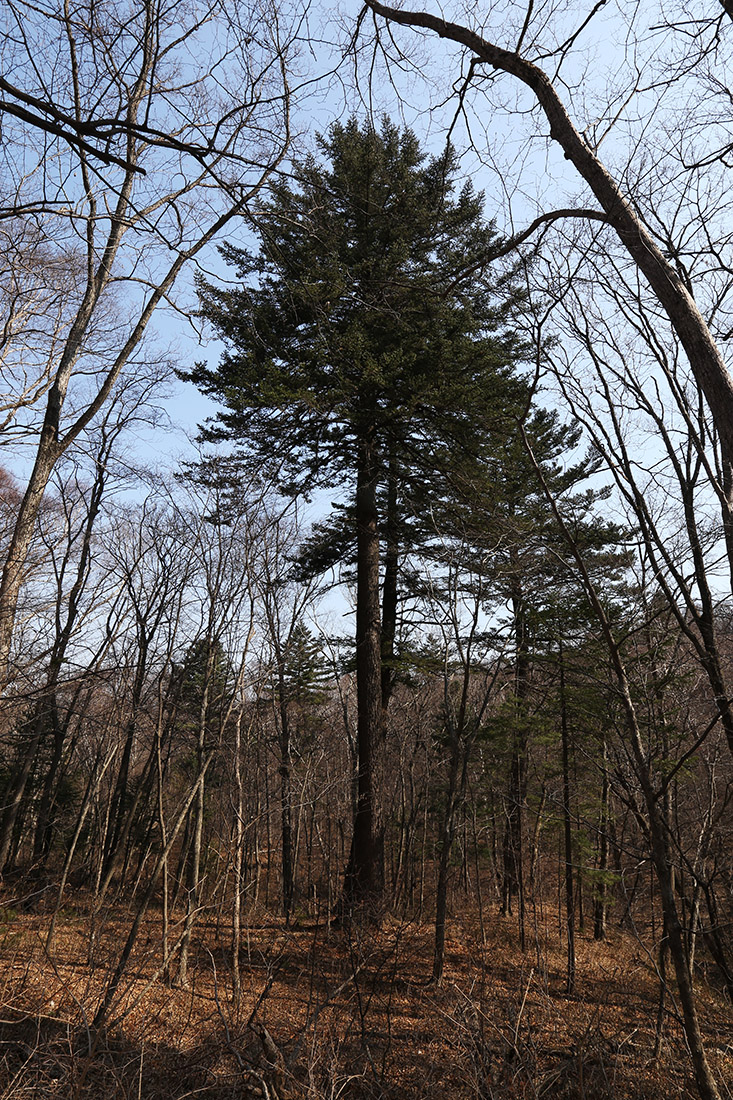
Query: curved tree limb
(705, 357)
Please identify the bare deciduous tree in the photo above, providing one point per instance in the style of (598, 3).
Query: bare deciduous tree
(133, 133)
(618, 206)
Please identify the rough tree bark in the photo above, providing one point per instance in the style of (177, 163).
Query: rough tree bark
(364, 875)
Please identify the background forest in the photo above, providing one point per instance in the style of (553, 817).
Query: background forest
(379, 745)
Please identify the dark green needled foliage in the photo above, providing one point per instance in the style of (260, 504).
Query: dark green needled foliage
(368, 349)
(366, 310)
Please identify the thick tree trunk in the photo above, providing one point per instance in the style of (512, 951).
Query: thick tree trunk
(389, 593)
(25, 525)
(364, 876)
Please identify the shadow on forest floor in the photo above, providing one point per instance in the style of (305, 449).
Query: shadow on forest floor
(326, 1014)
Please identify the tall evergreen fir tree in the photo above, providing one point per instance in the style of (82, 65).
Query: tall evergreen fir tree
(368, 349)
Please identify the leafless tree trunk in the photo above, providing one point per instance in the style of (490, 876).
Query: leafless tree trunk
(658, 823)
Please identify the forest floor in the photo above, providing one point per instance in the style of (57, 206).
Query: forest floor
(326, 1013)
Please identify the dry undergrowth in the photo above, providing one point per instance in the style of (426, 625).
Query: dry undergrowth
(327, 1013)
